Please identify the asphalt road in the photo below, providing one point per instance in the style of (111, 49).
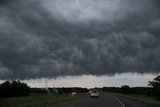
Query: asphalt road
(105, 100)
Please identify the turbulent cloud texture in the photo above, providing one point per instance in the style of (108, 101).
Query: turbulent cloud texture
(50, 38)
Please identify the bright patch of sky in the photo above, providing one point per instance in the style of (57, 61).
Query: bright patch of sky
(90, 81)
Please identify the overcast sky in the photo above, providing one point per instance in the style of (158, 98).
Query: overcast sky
(56, 38)
(90, 81)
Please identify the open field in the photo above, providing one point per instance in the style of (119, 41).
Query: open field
(35, 101)
(141, 98)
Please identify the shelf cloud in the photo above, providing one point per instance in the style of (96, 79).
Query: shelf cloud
(51, 38)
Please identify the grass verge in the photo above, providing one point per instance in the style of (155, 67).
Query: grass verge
(35, 101)
(141, 98)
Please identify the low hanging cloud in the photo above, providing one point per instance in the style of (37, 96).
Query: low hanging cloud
(50, 38)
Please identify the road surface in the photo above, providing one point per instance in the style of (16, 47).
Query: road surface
(105, 100)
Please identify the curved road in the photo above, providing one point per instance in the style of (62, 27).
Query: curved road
(105, 100)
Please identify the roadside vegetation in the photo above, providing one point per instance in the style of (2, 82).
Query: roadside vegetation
(36, 101)
(10, 89)
(151, 101)
(148, 95)
(19, 94)
(155, 84)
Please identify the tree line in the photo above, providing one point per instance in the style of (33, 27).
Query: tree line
(153, 89)
(14, 89)
(125, 89)
(10, 89)
(63, 90)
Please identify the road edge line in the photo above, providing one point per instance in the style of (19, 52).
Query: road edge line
(119, 101)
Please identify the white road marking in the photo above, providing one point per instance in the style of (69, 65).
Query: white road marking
(119, 101)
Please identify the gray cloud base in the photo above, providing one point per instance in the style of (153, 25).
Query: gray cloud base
(50, 38)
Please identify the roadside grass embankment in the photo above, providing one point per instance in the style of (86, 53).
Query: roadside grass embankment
(35, 101)
(141, 98)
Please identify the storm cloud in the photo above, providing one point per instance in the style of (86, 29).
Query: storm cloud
(50, 38)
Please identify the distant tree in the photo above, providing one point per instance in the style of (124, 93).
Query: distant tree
(112, 89)
(14, 89)
(156, 87)
(125, 89)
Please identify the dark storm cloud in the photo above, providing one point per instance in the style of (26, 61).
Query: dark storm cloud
(50, 38)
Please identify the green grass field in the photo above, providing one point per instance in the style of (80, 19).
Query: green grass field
(34, 101)
(141, 98)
